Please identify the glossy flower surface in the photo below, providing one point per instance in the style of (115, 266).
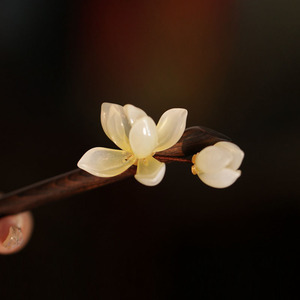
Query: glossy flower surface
(139, 138)
(217, 165)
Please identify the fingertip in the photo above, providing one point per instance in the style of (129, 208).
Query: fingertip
(15, 232)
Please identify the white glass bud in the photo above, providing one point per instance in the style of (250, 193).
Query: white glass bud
(217, 165)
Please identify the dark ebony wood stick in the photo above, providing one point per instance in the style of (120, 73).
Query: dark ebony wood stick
(77, 181)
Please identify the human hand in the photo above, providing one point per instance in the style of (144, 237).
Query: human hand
(15, 232)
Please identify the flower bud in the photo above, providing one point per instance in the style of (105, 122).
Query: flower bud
(217, 165)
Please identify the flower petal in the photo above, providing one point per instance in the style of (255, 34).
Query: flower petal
(133, 113)
(105, 162)
(115, 124)
(171, 127)
(221, 179)
(150, 171)
(212, 159)
(237, 154)
(143, 137)
(105, 110)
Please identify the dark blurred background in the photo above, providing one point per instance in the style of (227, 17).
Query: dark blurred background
(235, 66)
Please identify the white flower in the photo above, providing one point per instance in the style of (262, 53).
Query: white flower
(217, 165)
(139, 138)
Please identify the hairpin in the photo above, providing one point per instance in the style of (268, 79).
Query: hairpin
(145, 148)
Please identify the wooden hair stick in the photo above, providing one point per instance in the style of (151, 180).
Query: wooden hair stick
(77, 181)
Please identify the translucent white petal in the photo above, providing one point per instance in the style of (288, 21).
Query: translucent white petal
(212, 159)
(143, 137)
(105, 109)
(105, 162)
(171, 127)
(150, 171)
(237, 154)
(221, 179)
(115, 124)
(133, 113)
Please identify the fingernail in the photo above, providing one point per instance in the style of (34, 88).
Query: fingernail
(14, 238)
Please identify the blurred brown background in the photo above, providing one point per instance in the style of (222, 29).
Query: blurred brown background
(235, 66)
